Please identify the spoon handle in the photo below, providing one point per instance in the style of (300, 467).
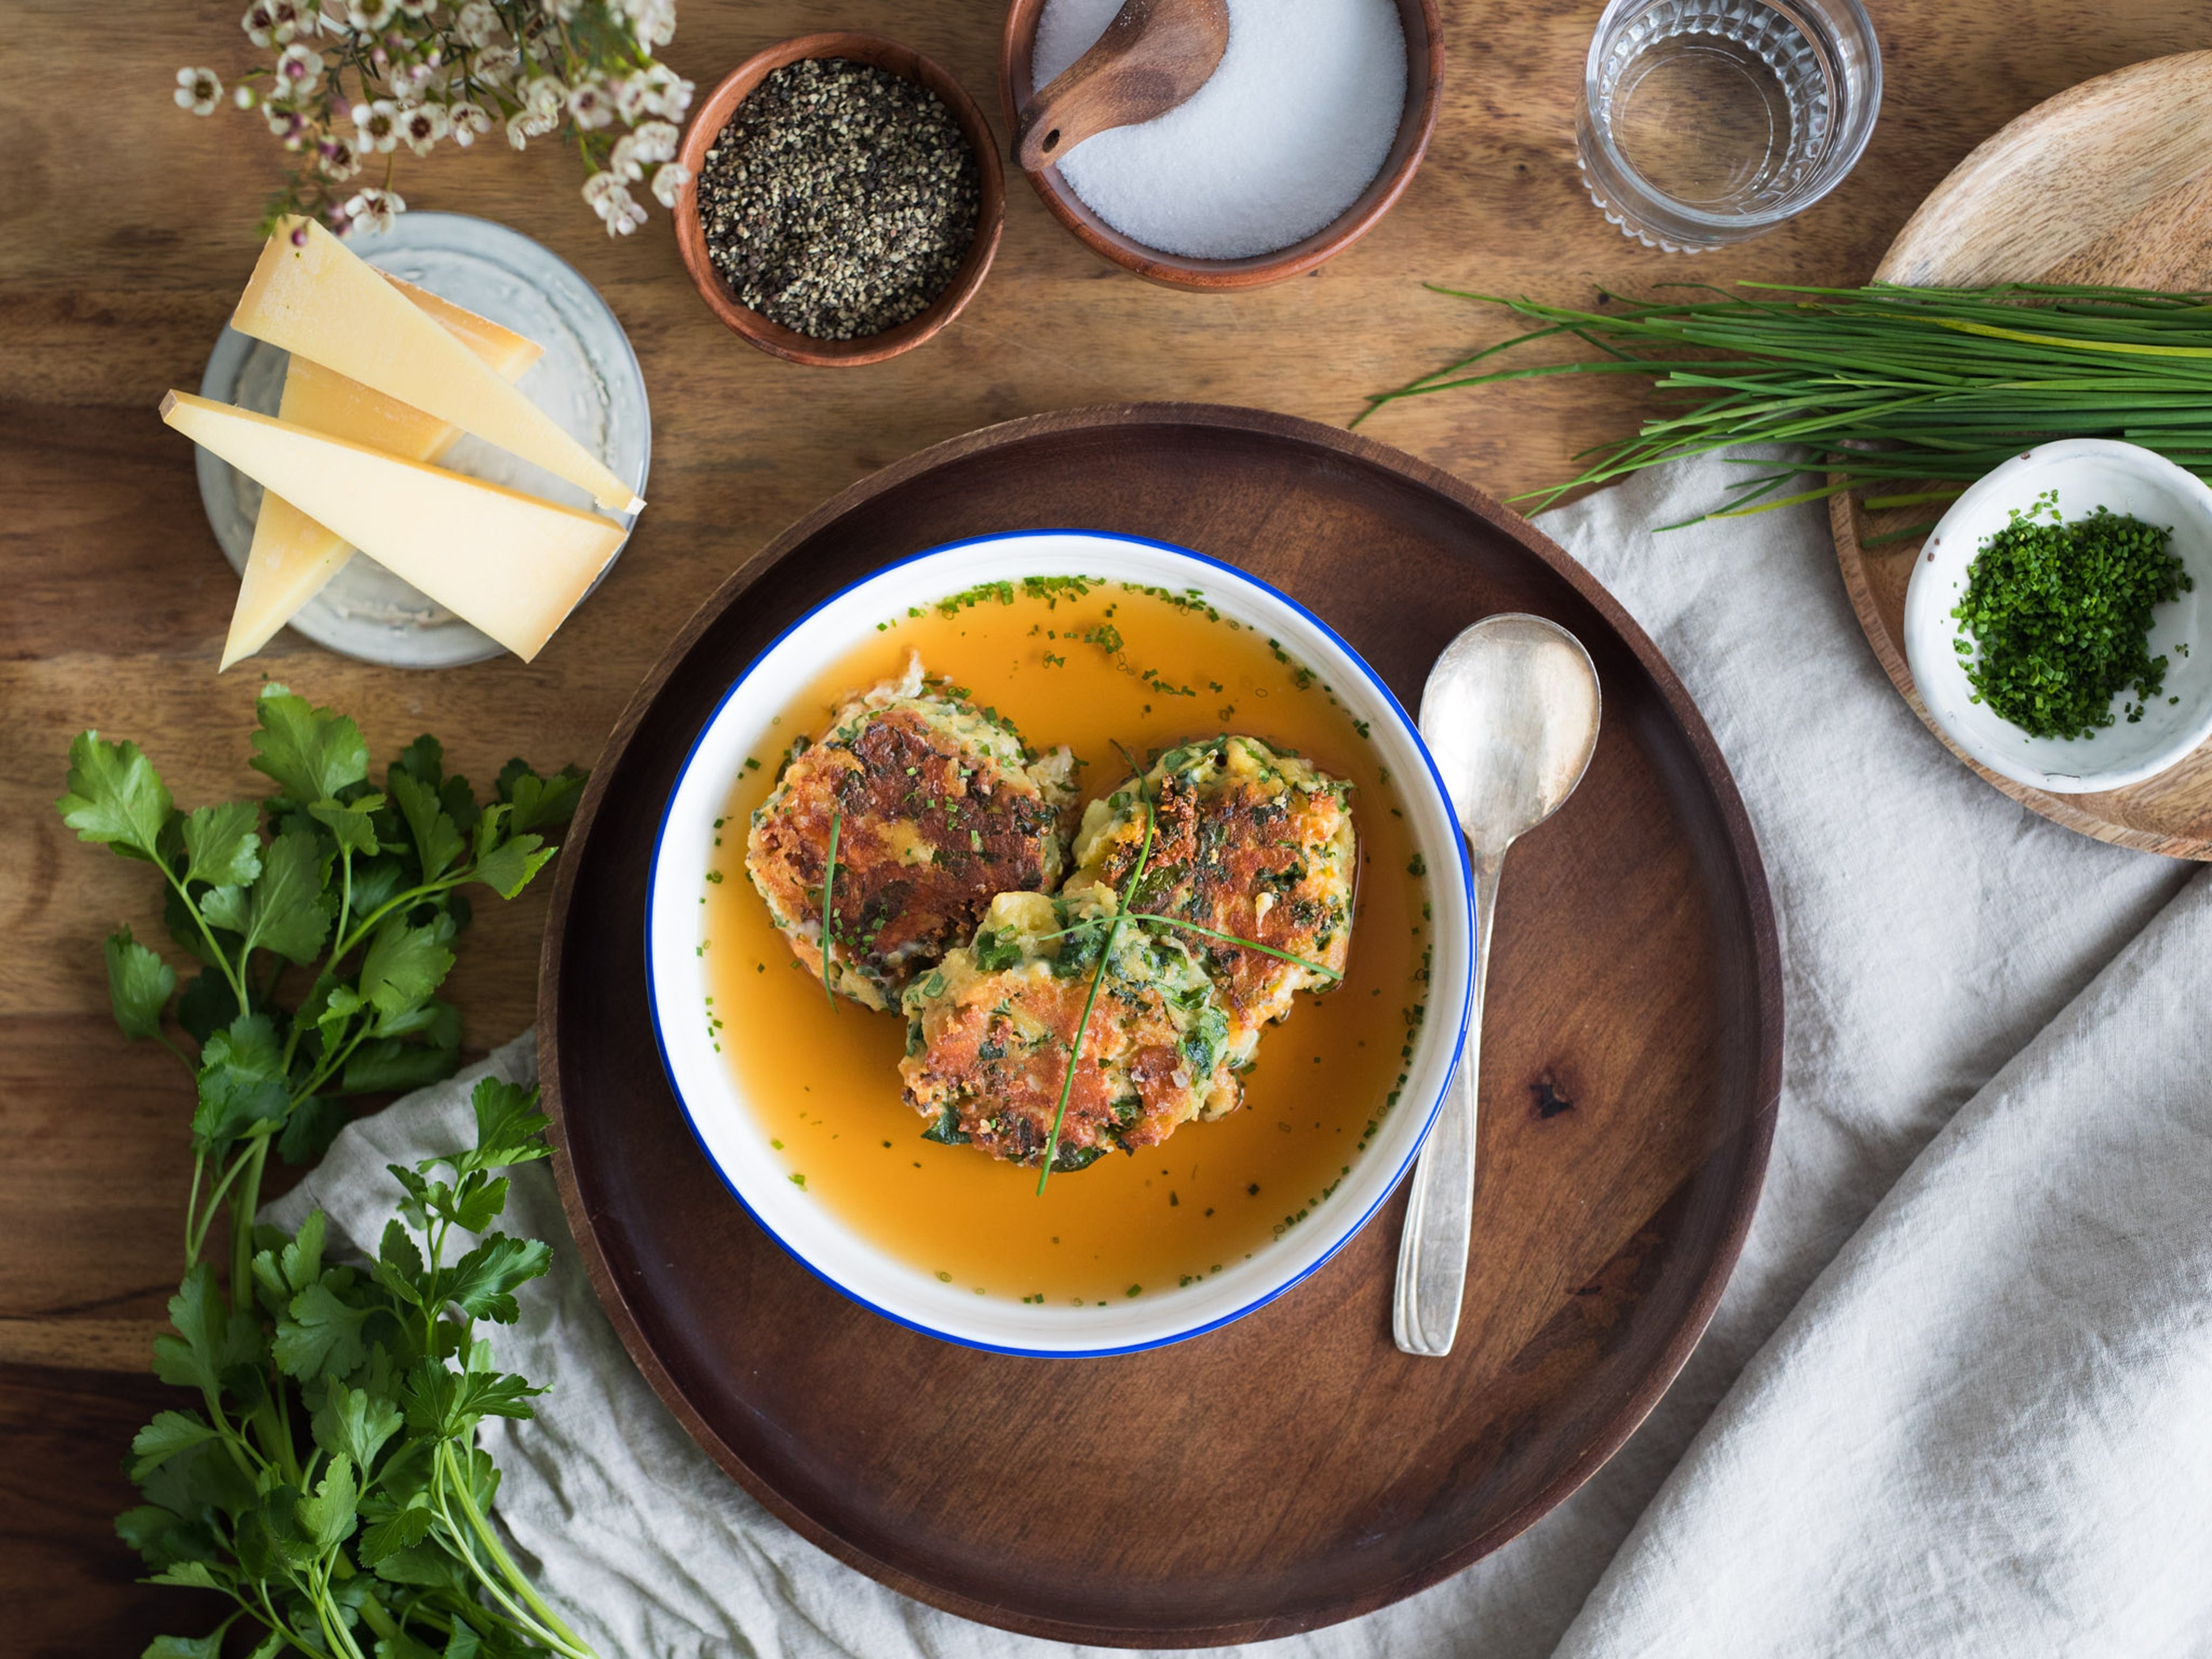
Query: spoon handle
(1432, 1251)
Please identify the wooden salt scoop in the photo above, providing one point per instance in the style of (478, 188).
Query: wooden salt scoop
(1154, 54)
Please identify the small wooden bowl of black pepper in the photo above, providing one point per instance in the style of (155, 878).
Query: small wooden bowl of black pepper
(848, 212)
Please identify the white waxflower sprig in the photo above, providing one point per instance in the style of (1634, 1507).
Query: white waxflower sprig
(351, 80)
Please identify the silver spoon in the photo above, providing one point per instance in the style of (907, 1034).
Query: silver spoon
(1510, 714)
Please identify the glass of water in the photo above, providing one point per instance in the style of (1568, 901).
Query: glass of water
(1704, 122)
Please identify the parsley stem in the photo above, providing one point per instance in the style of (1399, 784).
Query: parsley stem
(246, 1200)
(197, 1241)
(192, 1206)
(191, 1065)
(221, 962)
(345, 893)
(828, 893)
(546, 1625)
(408, 900)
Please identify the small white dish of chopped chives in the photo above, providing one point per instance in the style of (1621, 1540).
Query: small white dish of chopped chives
(2148, 732)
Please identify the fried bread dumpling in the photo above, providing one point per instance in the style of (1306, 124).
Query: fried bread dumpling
(937, 806)
(1250, 842)
(990, 1031)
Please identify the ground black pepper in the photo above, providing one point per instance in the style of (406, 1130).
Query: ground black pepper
(839, 199)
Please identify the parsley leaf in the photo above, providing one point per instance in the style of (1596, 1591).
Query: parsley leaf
(139, 984)
(241, 1080)
(380, 1368)
(223, 844)
(210, 1339)
(506, 868)
(404, 965)
(169, 1433)
(352, 824)
(312, 753)
(115, 796)
(287, 914)
(508, 1124)
(323, 1331)
(329, 1516)
(538, 801)
(435, 837)
(481, 1283)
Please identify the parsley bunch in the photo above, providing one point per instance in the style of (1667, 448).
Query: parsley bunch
(330, 1484)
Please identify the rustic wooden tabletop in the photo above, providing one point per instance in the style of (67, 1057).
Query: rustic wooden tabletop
(128, 235)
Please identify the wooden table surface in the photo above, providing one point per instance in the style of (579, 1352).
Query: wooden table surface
(129, 232)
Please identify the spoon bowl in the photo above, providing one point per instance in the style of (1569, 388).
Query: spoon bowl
(1511, 712)
(1510, 715)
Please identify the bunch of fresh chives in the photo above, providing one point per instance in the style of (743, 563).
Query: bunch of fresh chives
(1921, 390)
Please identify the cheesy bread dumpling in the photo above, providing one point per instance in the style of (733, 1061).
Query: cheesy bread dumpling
(937, 806)
(990, 1032)
(1250, 842)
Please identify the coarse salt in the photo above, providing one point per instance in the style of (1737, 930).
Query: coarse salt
(1293, 125)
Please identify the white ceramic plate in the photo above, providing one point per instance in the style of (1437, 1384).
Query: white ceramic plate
(731, 1133)
(588, 380)
(2086, 473)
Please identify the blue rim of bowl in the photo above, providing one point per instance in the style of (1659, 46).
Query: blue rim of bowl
(1466, 889)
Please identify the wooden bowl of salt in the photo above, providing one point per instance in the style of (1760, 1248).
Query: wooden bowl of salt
(1288, 156)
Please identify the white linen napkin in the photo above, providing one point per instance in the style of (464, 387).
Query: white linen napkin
(1983, 1429)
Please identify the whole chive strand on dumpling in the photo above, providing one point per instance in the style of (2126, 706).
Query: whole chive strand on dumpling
(1250, 842)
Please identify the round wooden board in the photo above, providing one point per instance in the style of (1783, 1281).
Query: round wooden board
(1293, 1468)
(2109, 182)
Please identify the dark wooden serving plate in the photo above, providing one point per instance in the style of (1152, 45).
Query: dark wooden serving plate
(1293, 1468)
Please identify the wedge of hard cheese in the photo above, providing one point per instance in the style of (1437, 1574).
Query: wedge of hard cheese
(321, 301)
(292, 558)
(512, 564)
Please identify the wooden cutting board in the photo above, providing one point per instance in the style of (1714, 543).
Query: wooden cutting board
(1291, 1468)
(2109, 182)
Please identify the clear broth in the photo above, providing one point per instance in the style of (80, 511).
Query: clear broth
(824, 1080)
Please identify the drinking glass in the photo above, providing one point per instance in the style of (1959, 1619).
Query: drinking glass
(1705, 122)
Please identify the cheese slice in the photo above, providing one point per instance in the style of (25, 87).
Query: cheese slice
(322, 301)
(512, 564)
(292, 558)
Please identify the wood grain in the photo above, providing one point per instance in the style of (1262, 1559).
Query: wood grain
(1313, 1470)
(2109, 182)
(129, 237)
